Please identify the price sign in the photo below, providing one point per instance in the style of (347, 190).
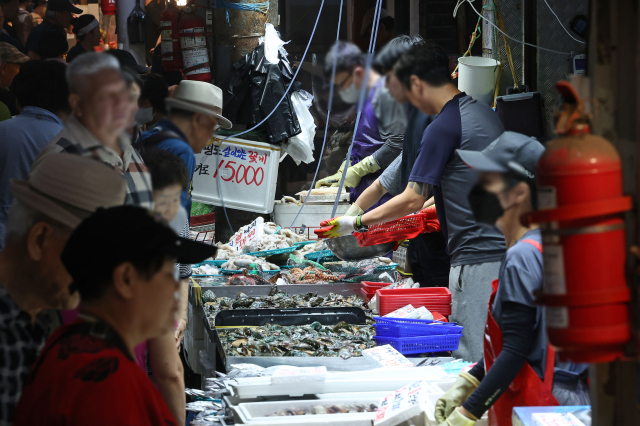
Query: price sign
(247, 234)
(247, 172)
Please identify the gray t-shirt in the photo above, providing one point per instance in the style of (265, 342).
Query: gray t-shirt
(392, 121)
(463, 123)
(521, 274)
(391, 177)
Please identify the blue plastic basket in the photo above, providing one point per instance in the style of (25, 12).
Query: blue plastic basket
(406, 321)
(266, 253)
(325, 256)
(233, 272)
(415, 330)
(210, 262)
(422, 344)
(304, 243)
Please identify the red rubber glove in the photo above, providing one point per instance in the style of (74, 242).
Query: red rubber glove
(432, 223)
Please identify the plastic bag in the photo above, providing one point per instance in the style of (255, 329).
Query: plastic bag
(272, 44)
(300, 147)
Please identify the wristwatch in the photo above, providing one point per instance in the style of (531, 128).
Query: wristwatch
(359, 226)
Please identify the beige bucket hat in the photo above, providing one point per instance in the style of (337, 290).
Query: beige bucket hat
(69, 188)
(201, 97)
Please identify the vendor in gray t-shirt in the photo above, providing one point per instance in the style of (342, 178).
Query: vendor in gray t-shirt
(462, 123)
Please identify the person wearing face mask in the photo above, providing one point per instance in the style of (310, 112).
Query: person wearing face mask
(462, 123)
(195, 113)
(517, 368)
(378, 138)
(429, 260)
(151, 107)
(87, 30)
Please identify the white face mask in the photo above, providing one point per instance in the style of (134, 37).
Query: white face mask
(144, 116)
(350, 95)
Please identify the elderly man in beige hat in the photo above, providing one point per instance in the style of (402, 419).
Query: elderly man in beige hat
(60, 192)
(195, 113)
(99, 101)
(10, 61)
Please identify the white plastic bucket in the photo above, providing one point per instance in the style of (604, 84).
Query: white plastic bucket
(477, 77)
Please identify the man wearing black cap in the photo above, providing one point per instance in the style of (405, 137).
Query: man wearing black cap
(59, 12)
(518, 360)
(121, 261)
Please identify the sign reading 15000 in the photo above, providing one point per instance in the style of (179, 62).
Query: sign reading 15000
(234, 170)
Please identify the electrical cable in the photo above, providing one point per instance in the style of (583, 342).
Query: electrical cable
(513, 38)
(363, 91)
(286, 92)
(561, 24)
(326, 127)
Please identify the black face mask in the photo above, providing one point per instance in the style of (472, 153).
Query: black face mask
(485, 206)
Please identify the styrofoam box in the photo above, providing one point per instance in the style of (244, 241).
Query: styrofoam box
(255, 413)
(248, 174)
(312, 214)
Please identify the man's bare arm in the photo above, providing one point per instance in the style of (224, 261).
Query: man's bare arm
(371, 195)
(411, 200)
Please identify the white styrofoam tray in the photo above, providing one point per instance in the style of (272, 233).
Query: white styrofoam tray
(255, 413)
(377, 380)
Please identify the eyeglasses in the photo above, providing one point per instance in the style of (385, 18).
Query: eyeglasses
(341, 85)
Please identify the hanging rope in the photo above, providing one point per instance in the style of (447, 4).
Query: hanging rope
(250, 7)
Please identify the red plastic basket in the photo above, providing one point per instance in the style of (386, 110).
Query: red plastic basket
(404, 228)
(433, 298)
(367, 295)
(370, 286)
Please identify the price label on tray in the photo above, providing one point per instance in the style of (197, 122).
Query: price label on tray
(402, 404)
(248, 234)
(247, 172)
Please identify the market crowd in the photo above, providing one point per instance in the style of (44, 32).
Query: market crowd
(97, 155)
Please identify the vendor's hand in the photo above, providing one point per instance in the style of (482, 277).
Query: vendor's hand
(463, 387)
(333, 180)
(430, 212)
(354, 210)
(433, 224)
(336, 227)
(182, 325)
(456, 418)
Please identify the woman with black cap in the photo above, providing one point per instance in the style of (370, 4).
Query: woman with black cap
(87, 30)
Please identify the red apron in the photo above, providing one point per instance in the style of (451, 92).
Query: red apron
(526, 390)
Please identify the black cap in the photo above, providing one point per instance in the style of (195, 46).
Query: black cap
(112, 236)
(63, 6)
(512, 153)
(126, 60)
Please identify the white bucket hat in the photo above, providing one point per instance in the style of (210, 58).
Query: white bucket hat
(69, 188)
(201, 97)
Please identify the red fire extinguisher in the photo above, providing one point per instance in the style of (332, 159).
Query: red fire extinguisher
(108, 7)
(581, 209)
(170, 45)
(193, 42)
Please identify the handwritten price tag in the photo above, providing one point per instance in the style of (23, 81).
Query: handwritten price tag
(247, 173)
(248, 234)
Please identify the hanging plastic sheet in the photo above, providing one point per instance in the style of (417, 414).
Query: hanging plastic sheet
(253, 89)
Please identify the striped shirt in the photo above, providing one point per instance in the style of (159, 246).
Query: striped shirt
(75, 138)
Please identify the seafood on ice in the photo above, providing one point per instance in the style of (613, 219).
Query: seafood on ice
(244, 261)
(326, 409)
(276, 299)
(341, 340)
